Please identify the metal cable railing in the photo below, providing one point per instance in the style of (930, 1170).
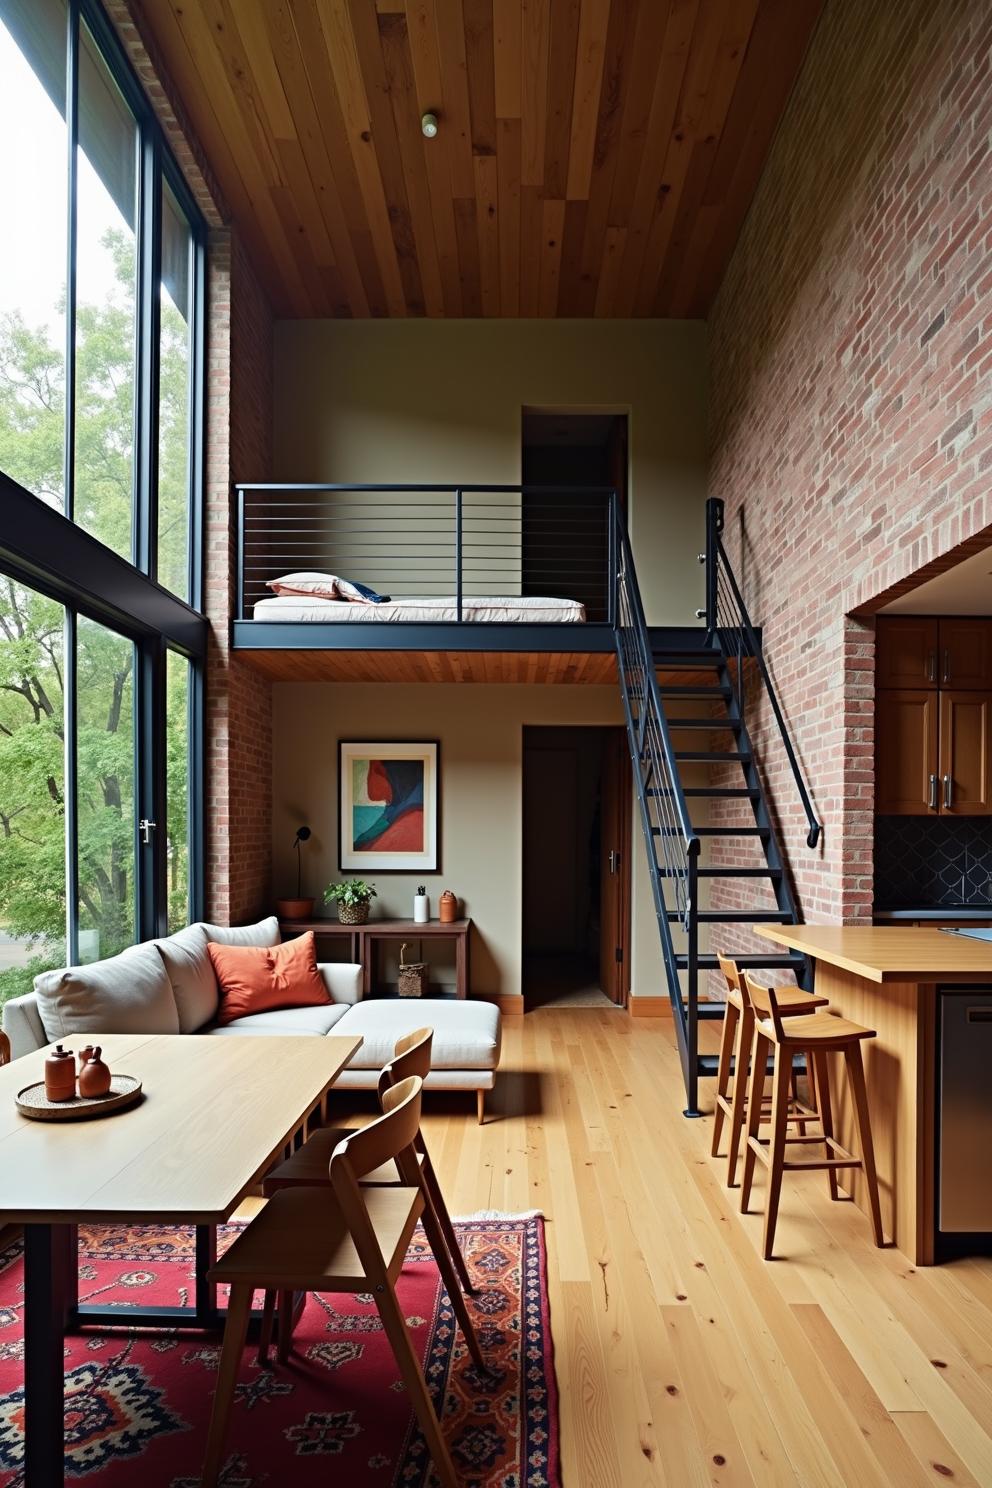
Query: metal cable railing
(731, 628)
(671, 842)
(432, 542)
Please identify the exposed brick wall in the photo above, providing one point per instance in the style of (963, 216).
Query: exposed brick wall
(239, 447)
(239, 701)
(851, 433)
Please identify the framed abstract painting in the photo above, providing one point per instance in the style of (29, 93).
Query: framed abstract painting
(388, 806)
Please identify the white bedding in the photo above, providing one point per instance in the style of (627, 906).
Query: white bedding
(480, 609)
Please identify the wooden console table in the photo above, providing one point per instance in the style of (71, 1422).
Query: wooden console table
(362, 940)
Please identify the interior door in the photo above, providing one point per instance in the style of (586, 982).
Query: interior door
(615, 877)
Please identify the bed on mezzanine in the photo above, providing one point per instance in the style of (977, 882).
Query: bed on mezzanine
(423, 582)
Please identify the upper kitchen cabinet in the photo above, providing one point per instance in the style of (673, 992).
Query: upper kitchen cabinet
(924, 651)
(906, 651)
(965, 660)
(965, 785)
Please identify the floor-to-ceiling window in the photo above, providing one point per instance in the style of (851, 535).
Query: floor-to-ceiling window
(101, 272)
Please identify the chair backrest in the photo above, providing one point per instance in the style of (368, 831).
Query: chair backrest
(4, 1048)
(764, 1002)
(732, 973)
(390, 1136)
(411, 1056)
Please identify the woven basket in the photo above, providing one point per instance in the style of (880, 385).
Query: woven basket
(413, 976)
(353, 914)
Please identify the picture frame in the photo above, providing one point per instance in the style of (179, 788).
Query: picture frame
(389, 806)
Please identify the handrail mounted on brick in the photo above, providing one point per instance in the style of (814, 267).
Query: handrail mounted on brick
(731, 629)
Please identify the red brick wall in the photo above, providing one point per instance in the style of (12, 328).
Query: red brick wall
(851, 433)
(239, 701)
(239, 447)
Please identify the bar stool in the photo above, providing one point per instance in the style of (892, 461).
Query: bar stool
(736, 1040)
(816, 1036)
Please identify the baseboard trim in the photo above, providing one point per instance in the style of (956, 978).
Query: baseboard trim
(649, 1007)
(510, 1004)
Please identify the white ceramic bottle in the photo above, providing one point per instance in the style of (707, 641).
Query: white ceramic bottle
(421, 906)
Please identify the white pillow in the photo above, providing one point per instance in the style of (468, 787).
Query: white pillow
(129, 993)
(265, 933)
(191, 973)
(323, 585)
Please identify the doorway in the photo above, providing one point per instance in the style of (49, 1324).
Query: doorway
(576, 867)
(564, 535)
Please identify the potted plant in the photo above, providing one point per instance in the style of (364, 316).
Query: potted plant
(298, 908)
(352, 898)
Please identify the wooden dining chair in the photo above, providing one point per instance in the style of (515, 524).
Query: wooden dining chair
(309, 1163)
(816, 1036)
(345, 1236)
(735, 1043)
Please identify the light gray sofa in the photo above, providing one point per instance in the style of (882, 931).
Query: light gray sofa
(168, 986)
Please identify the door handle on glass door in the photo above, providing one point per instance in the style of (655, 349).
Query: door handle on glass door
(614, 861)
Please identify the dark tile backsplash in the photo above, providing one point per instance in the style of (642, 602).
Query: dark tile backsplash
(933, 862)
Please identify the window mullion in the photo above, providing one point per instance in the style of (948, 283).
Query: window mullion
(72, 121)
(146, 403)
(70, 697)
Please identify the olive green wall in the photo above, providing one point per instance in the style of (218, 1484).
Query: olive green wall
(430, 400)
(480, 728)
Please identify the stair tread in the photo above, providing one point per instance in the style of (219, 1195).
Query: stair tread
(708, 961)
(711, 756)
(772, 873)
(704, 723)
(688, 689)
(740, 916)
(715, 831)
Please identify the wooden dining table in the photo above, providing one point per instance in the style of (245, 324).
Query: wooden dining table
(213, 1114)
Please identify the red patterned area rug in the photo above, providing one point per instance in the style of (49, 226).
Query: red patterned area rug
(137, 1404)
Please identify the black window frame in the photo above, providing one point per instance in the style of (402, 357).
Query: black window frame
(46, 550)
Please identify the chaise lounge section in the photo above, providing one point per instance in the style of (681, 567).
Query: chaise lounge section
(169, 986)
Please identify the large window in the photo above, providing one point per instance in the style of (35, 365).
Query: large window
(32, 787)
(33, 188)
(101, 275)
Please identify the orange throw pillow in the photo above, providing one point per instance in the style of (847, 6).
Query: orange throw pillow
(259, 979)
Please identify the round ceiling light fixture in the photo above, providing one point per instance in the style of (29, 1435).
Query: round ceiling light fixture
(428, 126)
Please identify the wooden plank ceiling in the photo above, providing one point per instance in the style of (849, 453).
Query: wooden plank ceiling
(594, 157)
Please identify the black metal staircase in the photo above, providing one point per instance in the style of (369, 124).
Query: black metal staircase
(729, 647)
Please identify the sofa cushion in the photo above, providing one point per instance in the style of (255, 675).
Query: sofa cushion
(129, 993)
(466, 1034)
(191, 973)
(265, 933)
(287, 1020)
(259, 979)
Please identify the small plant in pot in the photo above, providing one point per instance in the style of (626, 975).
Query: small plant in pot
(298, 908)
(352, 898)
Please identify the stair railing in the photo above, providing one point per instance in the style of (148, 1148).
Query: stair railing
(668, 832)
(730, 628)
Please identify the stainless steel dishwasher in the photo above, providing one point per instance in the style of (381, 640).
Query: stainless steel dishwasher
(965, 1113)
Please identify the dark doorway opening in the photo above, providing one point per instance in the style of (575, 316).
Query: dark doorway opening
(564, 536)
(576, 867)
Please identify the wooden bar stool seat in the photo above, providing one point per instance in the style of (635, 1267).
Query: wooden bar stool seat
(816, 1036)
(735, 1043)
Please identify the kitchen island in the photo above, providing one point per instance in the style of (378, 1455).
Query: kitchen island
(888, 977)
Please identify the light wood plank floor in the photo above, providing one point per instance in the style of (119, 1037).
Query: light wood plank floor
(682, 1358)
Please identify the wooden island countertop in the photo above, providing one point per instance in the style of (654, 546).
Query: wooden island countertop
(889, 953)
(887, 978)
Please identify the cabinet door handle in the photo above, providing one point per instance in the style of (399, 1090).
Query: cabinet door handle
(932, 667)
(947, 666)
(948, 789)
(932, 802)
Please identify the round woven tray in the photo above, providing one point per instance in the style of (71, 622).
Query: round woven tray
(32, 1101)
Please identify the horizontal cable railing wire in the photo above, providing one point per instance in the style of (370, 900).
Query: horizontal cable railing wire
(413, 541)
